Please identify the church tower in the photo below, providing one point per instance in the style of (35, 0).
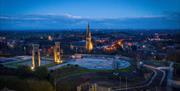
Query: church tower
(89, 44)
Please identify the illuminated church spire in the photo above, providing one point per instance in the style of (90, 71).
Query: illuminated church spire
(89, 44)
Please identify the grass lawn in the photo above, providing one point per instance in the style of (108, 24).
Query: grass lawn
(69, 77)
(50, 64)
(70, 71)
(128, 69)
(15, 64)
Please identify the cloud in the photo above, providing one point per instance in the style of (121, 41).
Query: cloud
(21, 18)
(69, 21)
(4, 17)
(72, 16)
(40, 17)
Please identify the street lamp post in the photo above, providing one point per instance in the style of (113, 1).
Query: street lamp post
(126, 83)
(120, 82)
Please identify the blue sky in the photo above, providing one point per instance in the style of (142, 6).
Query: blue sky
(91, 8)
(14, 14)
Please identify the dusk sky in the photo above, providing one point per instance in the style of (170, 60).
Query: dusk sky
(91, 9)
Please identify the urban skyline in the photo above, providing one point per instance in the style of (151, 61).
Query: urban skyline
(89, 45)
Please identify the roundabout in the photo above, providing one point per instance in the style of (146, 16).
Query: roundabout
(100, 63)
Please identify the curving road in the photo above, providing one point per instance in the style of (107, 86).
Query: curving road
(157, 73)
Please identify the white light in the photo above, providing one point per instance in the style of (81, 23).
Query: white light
(32, 68)
(140, 63)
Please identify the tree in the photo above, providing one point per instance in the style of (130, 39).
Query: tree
(24, 71)
(17, 84)
(40, 85)
(175, 56)
(41, 72)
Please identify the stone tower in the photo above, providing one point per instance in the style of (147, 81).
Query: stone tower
(57, 53)
(36, 58)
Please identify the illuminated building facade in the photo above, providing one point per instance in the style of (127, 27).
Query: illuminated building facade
(57, 56)
(114, 46)
(36, 58)
(89, 44)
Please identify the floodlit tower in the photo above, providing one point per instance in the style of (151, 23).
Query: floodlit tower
(36, 58)
(89, 44)
(57, 56)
